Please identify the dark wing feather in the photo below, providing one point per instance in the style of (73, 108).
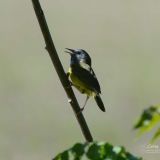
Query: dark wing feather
(87, 77)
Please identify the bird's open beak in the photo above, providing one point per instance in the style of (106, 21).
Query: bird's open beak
(70, 51)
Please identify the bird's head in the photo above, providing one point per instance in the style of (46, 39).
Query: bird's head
(79, 56)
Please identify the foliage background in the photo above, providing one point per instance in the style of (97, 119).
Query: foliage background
(36, 122)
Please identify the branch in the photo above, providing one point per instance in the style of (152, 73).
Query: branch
(60, 71)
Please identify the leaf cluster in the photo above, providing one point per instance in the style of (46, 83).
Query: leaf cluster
(148, 120)
(95, 151)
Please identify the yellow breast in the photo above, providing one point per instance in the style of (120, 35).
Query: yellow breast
(82, 87)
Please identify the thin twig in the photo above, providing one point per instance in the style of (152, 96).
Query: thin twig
(60, 71)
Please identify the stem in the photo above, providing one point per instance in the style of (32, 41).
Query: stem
(60, 71)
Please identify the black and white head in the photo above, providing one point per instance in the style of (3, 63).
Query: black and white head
(79, 56)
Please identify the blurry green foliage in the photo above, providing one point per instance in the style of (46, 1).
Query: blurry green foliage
(156, 135)
(95, 151)
(148, 120)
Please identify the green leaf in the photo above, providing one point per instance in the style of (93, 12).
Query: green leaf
(149, 118)
(109, 152)
(131, 157)
(94, 152)
(156, 135)
(78, 150)
(62, 156)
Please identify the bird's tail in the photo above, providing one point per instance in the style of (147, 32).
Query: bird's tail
(99, 102)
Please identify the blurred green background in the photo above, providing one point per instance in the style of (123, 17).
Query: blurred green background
(123, 39)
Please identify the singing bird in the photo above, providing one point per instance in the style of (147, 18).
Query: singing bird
(82, 76)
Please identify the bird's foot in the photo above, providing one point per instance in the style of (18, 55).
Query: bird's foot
(81, 110)
(69, 86)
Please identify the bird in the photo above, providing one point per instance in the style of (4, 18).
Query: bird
(82, 76)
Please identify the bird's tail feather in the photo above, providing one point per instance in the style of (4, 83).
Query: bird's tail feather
(99, 102)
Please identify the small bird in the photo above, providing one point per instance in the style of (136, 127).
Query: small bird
(82, 76)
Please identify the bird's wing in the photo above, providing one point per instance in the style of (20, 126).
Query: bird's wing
(87, 67)
(87, 77)
(93, 72)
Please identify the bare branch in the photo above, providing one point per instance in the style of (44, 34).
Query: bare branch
(60, 71)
